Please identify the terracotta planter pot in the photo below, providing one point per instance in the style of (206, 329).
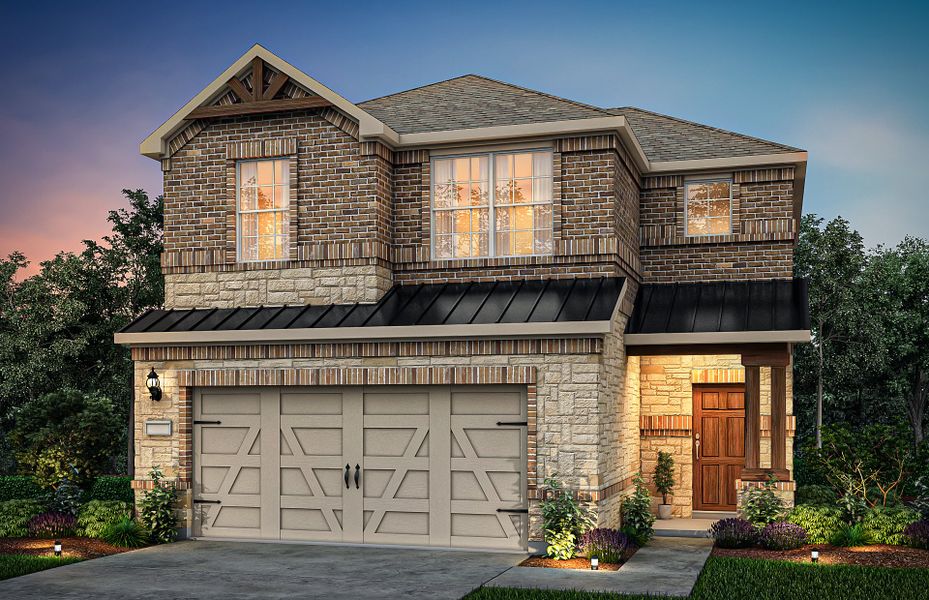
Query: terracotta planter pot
(664, 511)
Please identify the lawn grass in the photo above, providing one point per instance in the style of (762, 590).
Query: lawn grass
(740, 578)
(14, 565)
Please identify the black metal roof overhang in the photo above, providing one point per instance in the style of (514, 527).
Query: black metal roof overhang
(425, 307)
(758, 311)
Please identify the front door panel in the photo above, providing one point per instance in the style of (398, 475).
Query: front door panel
(719, 445)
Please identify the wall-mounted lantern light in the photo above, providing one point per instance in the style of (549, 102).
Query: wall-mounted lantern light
(154, 385)
(58, 548)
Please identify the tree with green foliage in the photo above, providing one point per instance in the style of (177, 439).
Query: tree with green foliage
(57, 326)
(831, 258)
(897, 281)
(66, 435)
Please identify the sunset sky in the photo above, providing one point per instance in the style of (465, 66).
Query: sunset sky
(91, 80)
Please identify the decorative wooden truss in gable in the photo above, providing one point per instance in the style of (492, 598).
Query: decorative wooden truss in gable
(261, 91)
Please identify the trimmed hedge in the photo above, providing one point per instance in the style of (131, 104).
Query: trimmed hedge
(19, 487)
(112, 488)
(105, 487)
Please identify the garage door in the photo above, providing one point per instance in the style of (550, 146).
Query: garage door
(419, 465)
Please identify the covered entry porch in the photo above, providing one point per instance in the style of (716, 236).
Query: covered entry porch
(720, 402)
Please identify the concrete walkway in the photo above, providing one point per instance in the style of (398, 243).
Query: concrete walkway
(684, 527)
(667, 566)
(240, 570)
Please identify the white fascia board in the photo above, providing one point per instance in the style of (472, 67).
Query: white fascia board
(793, 336)
(366, 334)
(155, 145)
(530, 130)
(735, 162)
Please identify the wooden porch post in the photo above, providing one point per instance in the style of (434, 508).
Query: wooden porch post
(779, 418)
(752, 417)
(778, 361)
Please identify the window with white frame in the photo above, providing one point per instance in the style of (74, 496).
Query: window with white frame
(263, 211)
(708, 209)
(492, 204)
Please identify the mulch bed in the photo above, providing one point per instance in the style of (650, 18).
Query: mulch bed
(878, 555)
(574, 563)
(77, 547)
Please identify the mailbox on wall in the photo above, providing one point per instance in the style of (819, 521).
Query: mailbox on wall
(158, 427)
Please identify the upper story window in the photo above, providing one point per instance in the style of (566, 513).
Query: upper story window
(492, 204)
(709, 207)
(263, 215)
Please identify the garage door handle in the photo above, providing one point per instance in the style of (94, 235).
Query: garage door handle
(513, 423)
(207, 502)
(523, 511)
(208, 422)
(348, 469)
(357, 475)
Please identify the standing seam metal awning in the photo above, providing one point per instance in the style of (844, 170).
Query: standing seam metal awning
(426, 306)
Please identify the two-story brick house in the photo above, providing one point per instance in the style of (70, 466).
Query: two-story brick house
(387, 322)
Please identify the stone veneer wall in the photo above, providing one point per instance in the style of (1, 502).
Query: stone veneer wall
(569, 398)
(302, 285)
(666, 390)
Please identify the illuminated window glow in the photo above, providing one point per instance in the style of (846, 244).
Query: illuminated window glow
(709, 207)
(511, 217)
(263, 215)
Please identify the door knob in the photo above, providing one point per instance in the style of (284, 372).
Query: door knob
(357, 475)
(348, 469)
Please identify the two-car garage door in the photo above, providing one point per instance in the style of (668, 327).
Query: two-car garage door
(417, 465)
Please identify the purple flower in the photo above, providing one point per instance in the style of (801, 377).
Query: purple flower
(733, 533)
(782, 536)
(51, 524)
(608, 545)
(917, 534)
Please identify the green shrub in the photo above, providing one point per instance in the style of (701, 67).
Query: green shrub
(819, 522)
(14, 565)
(637, 514)
(564, 519)
(126, 534)
(19, 487)
(851, 535)
(66, 435)
(97, 515)
(112, 488)
(66, 498)
(886, 525)
(762, 505)
(15, 516)
(156, 509)
(816, 495)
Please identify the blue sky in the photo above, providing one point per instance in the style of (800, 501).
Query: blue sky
(848, 82)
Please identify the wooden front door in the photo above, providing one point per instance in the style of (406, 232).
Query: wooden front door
(719, 445)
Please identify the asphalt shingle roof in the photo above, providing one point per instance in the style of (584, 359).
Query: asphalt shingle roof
(669, 138)
(473, 101)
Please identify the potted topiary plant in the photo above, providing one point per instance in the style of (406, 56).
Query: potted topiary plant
(664, 482)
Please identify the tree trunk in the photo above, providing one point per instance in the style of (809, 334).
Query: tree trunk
(916, 405)
(819, 393)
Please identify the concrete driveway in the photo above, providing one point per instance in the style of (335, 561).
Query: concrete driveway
(231, 570)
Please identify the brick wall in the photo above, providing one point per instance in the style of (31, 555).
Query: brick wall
(759, 246)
